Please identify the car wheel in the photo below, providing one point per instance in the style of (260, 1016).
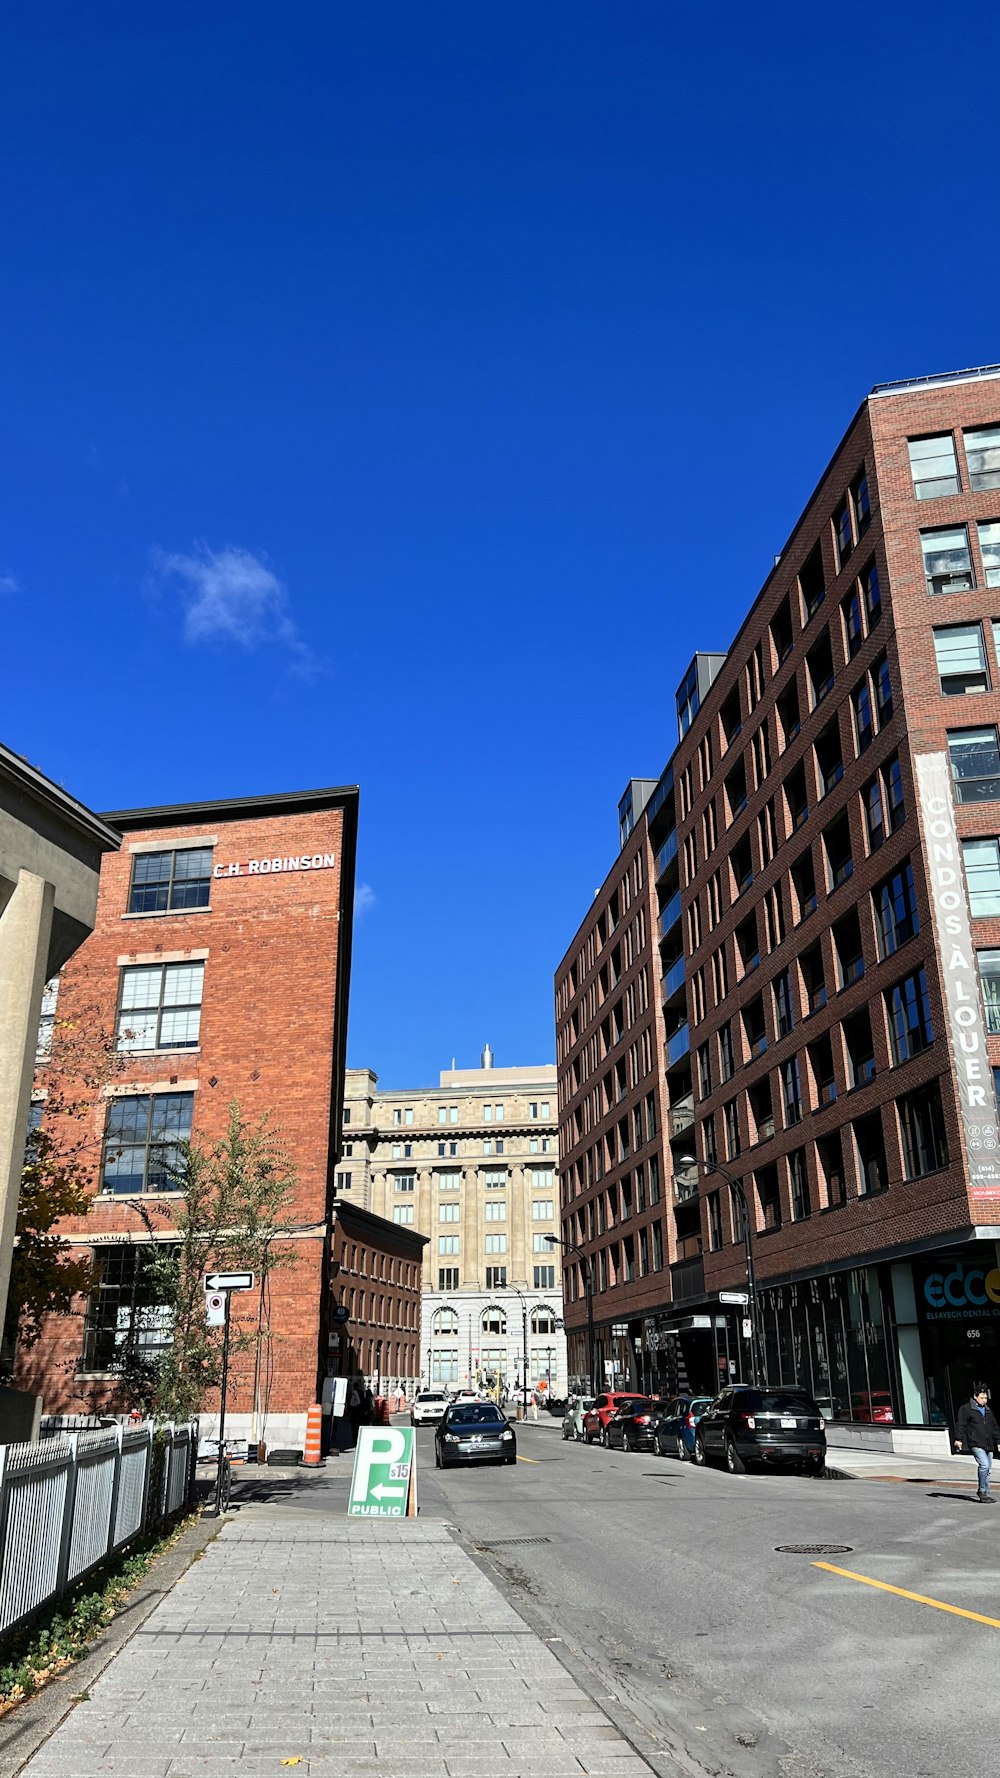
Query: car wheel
(606, 1439)
(512, 1458)
(815, 1466)
(734, 1462)
(682, 1450)
(625, 1442)
(699, 1451)
(437, 1458)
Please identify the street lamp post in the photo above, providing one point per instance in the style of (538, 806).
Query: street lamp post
(758, 1370)
(524, 1357)
(588, 1279)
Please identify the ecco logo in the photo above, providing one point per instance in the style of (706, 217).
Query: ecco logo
(955, 1289)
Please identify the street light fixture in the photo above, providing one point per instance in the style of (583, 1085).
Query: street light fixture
(524, 1356)
(588, 1279)
(757, 1368)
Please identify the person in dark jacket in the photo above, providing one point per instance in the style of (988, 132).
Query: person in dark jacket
(977, 1432)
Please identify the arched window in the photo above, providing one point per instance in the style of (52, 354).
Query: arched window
(444, 1321)
(494, 1320)
(543, 1321)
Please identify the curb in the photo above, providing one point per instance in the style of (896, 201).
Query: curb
(28, 1726)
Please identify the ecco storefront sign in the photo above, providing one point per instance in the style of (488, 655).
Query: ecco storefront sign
(269, 867)
(963, 1005)
(961, 1292)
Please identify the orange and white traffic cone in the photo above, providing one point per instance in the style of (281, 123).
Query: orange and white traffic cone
(313, 1453)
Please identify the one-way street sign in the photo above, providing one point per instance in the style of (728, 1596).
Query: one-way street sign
(229, 1281)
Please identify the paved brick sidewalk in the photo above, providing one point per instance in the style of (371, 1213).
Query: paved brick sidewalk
(352, 1647)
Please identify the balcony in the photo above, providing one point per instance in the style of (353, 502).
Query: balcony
(673, 980)
(671, 914)
(681, 1117)
(679, 1045)
(667, 853)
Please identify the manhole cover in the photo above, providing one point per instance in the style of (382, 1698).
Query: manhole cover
(497, 1543)
(814, 1549)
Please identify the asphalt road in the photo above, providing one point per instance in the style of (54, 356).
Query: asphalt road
(662, 1588)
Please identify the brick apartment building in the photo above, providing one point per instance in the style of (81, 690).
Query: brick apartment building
(377, 1279)
(813, 972)
(220, 967)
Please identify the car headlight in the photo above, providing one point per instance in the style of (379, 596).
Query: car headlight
(507, 1434)
(449, 1438)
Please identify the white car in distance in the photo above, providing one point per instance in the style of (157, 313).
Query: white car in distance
(428, 1407)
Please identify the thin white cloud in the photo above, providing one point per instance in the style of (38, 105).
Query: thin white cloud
(9, 582)
(231, 595)
(364, 899)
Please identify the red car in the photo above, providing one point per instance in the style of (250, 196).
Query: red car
(873, 1406)
(597, 1417)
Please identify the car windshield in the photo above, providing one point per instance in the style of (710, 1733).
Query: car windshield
(428, 1396)
(777, 1401)
(474, 1413)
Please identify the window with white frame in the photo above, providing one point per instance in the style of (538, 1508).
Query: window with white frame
(542, 1178)
(982, 872)
(494, 1178)
(961, 659)
(404, 1182)
(541, 1209)
(947, 562)
(447, 1244)
(540, 1244)
(495, 1211)
(933, 466)
(538, 1108)
(447, 1179)
(402, 1212)
(982, 454)
(449, 1212)
(496, 1243)
(159, 1006)
(989, 545)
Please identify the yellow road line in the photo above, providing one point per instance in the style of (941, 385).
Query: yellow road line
(918, 1598)
(529, 1460)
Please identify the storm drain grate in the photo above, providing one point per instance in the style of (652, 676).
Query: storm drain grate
(497, 1543)
(814, 1549)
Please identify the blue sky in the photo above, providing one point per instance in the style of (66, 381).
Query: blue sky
(401, 394)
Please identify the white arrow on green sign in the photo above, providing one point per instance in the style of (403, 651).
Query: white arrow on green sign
(384, 1473)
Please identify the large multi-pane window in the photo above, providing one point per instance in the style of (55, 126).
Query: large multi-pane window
(541, 1209)
(123, 1314)
(982, 454)
(447, 1277)
(494, 1178)
(961, 659)
(921, 1122)
(895, 904)
(947, 562)
(404, 1182)
(495, 1243)
(933, 466)
(495, 1210)
(989, 975)
(142, 1142)
(170, 882)
(908, 1007)
(447, 1179)
(982, 873)
(543, 1277)
(449, 1212)
(402, 1213)
(160, 1006)
(975, 764)
(447, 1244)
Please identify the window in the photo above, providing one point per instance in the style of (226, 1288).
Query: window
(947, 562)
(892, 782)
(864, 719)
(819, 666)
(982, 872)
(447, 1179)
(729, 716)
(982, 454)
(123, 1315)
(402, 1212)
(847, 949)
(688, 700)
(713, 1205)
(840, 864)
(495, 1244)
(448, 1277)
(869, 1146)
(813, 978)
(989, 544)
(908, 1008)
(797, 796)
(170, 882)
(961, 659)
(842, 531)
(754, 1026)
(402, 1151)
(736, 789)
(975, 764)
(447, 1244)
(452, 1212)
(726, 1058)
(989, 975)
(404, 1182)
(811, 583)
(142, 1138)
(494, 1178)
(829, 759)
(397, 1116)
(543, 1277)
(538, 1109)
(781, 631)
(798, 1184)
(872, 593)
(803, 877)
(704, 1071)
(882, 682)
(860, 1049)
(494, 1147)
(784, 1014)
(748, 944)
(495, 1210)
(541, 1209)
(831, 1164)
(874, 812)
(769, 1197)
(407, 1114)
(445, 1321)
(925, 1146)
(46, 1021)
(895, 905)
(731, 1120)
(447, 1150)
(343, 1182)
(539, 1144)
(442, 1114)
(933, 466)
(862, 503)
(791, 1091)
(709, 1148)
(854, 634)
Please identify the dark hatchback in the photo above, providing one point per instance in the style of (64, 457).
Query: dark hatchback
(769, 1426)
(473, 1432)
(633, 1426)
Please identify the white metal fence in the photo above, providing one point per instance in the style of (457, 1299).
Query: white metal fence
(72, 1500)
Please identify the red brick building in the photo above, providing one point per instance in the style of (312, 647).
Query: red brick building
(825, 849)
(377, 1274)
(220, 968)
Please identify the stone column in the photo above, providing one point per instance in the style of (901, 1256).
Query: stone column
(25, 930)
(470, 1260)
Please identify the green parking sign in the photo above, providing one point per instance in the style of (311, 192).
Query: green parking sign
(384, 1482)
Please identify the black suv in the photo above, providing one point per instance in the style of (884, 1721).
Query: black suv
(745, 1425)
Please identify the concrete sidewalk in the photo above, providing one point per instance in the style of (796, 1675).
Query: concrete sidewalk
(335, 1648)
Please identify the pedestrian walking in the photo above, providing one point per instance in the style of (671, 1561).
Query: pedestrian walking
(977, 1432)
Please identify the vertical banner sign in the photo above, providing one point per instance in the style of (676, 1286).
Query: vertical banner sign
(384, 1482)
(963, 1002)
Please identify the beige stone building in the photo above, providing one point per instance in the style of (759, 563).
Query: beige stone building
(471, 1164)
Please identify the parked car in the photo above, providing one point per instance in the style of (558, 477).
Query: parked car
(597, 1417)
(428, 1407)
(771, 1426)
(474, 1432)
(572, 1426)
(633, 1425)
(676, 1425)
(873, 1406)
